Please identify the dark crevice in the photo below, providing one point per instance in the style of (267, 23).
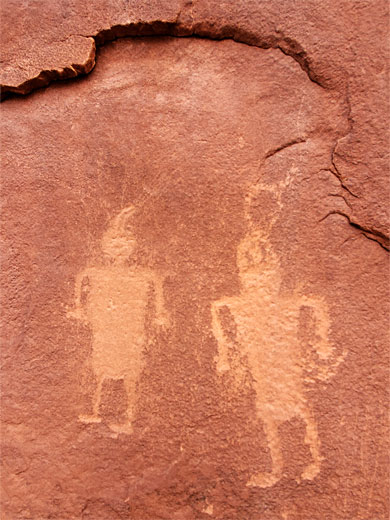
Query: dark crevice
(337, 174)
(339, 195)
(334, 170)
(284, 146)
(295, 51)
(371, 234)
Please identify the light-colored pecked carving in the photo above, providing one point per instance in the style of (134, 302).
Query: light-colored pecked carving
(267, 342)
(112, 298)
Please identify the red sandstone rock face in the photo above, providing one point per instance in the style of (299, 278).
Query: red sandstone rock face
(193, 327)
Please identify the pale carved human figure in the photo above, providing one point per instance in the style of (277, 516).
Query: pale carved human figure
(112, 298)
(266, 324)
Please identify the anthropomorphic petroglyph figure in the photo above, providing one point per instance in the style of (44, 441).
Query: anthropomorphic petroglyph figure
(266, 324)
(113, 297)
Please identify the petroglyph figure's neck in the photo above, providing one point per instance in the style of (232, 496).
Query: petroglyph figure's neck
(119, 262)
(265, 284)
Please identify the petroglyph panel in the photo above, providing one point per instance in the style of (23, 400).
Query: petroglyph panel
(186, 295)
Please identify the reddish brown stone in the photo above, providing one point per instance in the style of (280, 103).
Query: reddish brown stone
(201, 226)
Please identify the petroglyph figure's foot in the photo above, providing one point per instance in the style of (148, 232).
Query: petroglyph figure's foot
(263, 480)
(163, 321)
(222, 365)
(90, 419)
(311, 471)
(125, 428)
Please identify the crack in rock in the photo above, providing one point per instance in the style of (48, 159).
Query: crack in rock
(286, 45)
(370, 233)
(284, 146)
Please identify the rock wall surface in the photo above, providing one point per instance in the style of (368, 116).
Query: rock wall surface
(195, 260)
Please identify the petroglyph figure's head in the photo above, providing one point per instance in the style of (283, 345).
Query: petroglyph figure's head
(250, 254)
(262, 209)
(118, 241)
(258, 265)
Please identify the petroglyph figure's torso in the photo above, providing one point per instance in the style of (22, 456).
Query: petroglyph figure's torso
(115, 309)
(267, 327)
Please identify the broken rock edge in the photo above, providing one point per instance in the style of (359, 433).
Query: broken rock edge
(285, 44)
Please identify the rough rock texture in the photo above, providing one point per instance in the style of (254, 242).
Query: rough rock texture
(195, 261)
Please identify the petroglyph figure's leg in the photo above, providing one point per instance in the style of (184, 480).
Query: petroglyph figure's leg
(313, 441)
(130, 387)
(94, 418)
(162, 316)
(269, 479)
(222, 358)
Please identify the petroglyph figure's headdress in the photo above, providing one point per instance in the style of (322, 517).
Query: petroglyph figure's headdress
(118, 240)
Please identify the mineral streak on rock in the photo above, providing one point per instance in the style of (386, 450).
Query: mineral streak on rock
(194, 262)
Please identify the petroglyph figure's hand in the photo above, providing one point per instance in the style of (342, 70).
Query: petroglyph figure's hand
(322, 323)
(222, 359)
(163, 320)
(77, 313)
(223, 364)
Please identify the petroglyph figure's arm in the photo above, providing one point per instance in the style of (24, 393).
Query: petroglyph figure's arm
(222, 340)
(77, 312)
(162, 315)
(322, 345)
